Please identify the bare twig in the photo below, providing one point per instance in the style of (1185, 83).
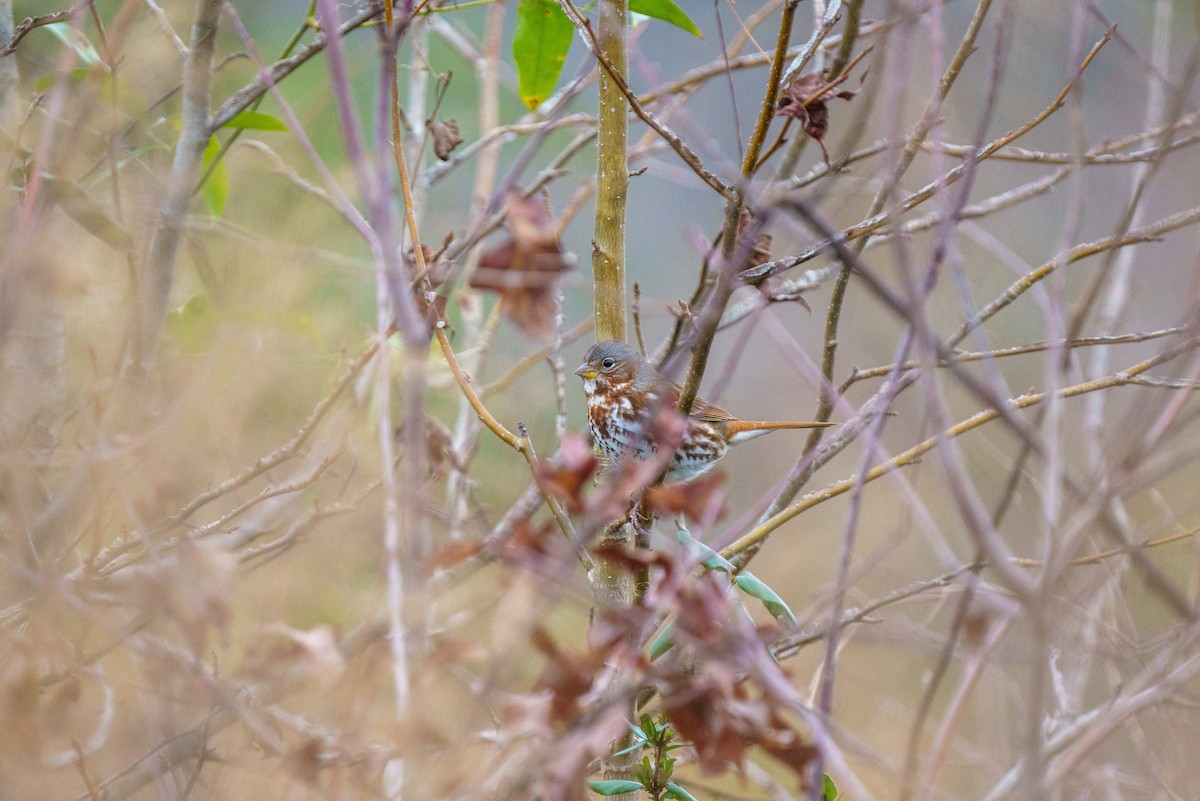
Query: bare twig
(28, 24)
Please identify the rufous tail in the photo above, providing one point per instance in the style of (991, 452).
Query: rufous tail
(741, 430)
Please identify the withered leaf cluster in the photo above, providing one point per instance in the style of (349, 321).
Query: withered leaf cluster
(525, 268)
(446, 137)
(719, 685)
(805, 100)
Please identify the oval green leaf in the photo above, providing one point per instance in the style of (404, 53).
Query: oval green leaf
(216, 188)
(678, 793)
(255, 121)
(667, 12)
(615, 787)
(540, 46)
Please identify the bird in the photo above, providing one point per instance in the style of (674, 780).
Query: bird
(624, 392)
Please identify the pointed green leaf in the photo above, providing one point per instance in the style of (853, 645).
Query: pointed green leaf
(255, 121)
(750, 584)
(678, 793)
(712, 559)
(639, 741)
(829, 790)
(615, 787)
(540, 46)
(77, 41)
(216, 188)
(667, 12)
(663, 642)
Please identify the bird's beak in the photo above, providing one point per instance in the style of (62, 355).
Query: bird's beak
(586, 372)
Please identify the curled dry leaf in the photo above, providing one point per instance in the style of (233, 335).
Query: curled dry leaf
(525, 268)
(445, 137)
(805, 101)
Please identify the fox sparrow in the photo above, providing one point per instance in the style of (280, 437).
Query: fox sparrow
(624, 392)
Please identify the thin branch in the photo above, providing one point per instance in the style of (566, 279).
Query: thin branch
(913, 454)
(858, 374)
(686, 153)
(251, 92)
(28, 24)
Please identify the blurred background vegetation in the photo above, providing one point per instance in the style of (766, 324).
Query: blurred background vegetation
(176, 609)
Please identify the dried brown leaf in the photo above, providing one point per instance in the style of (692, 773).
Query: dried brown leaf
(525, 268)
(567, 675)
(700, 500)
(805, 100)
(445, 138)
(566, 476)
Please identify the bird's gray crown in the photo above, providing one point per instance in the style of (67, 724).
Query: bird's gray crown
(611, 349)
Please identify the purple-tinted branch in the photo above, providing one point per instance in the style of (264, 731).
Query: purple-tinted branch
(252, 91)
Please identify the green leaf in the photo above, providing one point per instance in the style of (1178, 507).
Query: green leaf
(255, 121)
(216, 188)
(639, 741)
(75, 76)
(677, 792)
(615, 787)
(667, 12)
(76, 40)
(746, 581)
(663, 642)
(540, 46)
(712, 559)
(829, 790)
(750, 584)
(194, 324)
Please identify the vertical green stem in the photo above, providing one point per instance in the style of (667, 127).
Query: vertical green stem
(612, 178)
(614, 586)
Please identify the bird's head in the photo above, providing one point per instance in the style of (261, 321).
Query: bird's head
(608, 365)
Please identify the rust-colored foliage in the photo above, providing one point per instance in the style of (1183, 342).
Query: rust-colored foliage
(805, 100)
(721, 688)
(700, 500)
(525, 268)
(566, 476)
(568, 676)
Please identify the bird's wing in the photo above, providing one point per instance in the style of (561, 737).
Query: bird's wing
(701, 409)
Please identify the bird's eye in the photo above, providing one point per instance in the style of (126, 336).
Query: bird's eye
(607, 364)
